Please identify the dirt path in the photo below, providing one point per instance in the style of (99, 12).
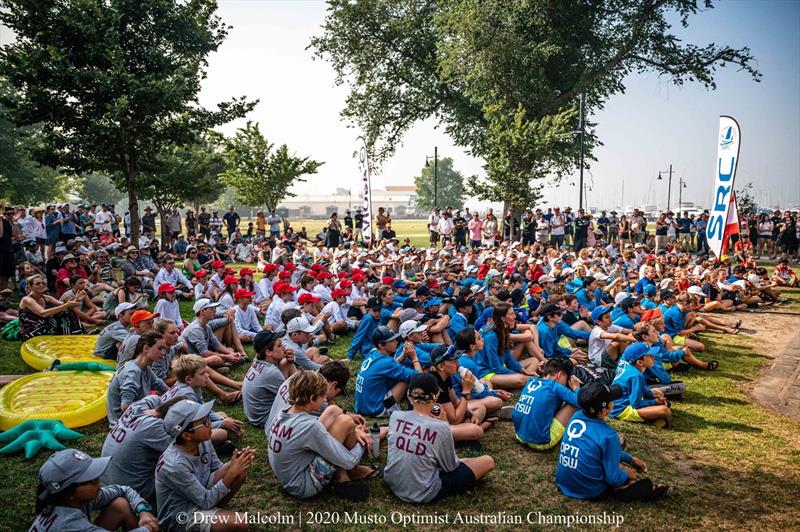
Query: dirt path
(778, 338)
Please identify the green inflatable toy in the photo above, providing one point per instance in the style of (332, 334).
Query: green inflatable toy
(80, 366)
(32, 435)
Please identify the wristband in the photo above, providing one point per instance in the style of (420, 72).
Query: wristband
(142, 507)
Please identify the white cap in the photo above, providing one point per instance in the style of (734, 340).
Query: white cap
(696, 290)
(492, 273)
(567, 271)
(620, 296)
(411, 326)
(301, 324)
(202, 304)
(665, 283)
(601, 277)
(122, 307)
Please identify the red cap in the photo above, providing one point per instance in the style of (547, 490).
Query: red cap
(242, 292)
(269, 267)
(535, 289)
(387, 280)
(345, 283)
(356, 277)
(650, 257)
(285, 275)
(200, 273)
(230, 279)
(230, 271)
(217, 264)
(337, 292)
(285, 287)
(324, 275)
(289, 266)
(341, 275)
(357, 270)
(246, 271)
(166, 287)
(651, 314)
(307, 298)
(433, 283)
(142, 315)
(317, 267)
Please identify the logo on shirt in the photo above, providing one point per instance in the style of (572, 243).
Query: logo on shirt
(576, 429)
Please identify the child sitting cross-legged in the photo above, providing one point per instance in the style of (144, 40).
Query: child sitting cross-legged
(638, 402)
(655, 318)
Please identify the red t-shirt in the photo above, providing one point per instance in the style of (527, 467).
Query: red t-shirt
(64, 273)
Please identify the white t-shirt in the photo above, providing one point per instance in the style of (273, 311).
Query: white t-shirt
(557, 220)
(597, 345)
(433, 222)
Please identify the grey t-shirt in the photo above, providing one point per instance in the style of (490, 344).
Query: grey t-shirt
(161, 367)
(129, 384)
(281, 403)
(69, 519)
(301, 360)
(199, 339)
(295, 443)
(419, 448)
(184, 481)
(135, 443)
(597, 345)
(259, 386)
(181, 389)
(127, 350)
(106, 345)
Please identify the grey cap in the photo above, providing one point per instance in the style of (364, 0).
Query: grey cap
(181, 415)
(60, 249)
(302, 325)
(410, 314)
(122, 307)
(69, 466)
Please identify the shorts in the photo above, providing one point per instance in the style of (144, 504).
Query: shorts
(679, 340)
(630, 414)
(456, 481)
(556, 433)
(607, 361)
(488, 376)
(389, 405)
(321, 472)
(218, 323)
(200, 520)
(563, 341)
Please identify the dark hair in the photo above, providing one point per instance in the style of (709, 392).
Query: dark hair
(148, 339)
(381, 293)
(305, 280)
(289, 314)
(74, 279)
(164, 407)
(503, 334)
(465, 338)
(53, 500)
(132, 281)
(336, 371)
(555, 365)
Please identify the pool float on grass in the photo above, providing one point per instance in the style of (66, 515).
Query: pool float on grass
(32, 435)
(40, 351)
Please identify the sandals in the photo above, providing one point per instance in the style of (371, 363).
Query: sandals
(659, 490)
(637, 491)
(236, 398)
(352, 491)
(737, 324)
(712, 365)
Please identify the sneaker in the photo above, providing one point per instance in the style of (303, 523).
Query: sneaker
(505, 413)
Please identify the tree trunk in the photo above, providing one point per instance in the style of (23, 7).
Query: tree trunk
(133, 208)
(162, 216)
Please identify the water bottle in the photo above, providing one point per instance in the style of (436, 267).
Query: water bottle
(478, 387)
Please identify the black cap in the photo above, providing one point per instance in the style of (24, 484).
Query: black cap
(423, 387)
(549, 309)
(374, 303)
(265, 337)
(595, 396)
(462, 302)
(383, 334)
(442, 353)
(423, 291)
(628, 302)
(666, 293)
(503, 295)
(411, 303)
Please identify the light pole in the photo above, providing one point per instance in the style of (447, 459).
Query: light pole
(669, 185)
(435, 173)
(681, 186)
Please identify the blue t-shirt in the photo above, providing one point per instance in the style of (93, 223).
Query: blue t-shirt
(376, 376)
(635, 392)
(658, 372)
(457, 322)
(674, 321)
(644, 281)
(548, 341)
(489, 360)
(423, 354)
(362, 339)
(469, 363)
(624, 321)
(589, 458)
(537, 405)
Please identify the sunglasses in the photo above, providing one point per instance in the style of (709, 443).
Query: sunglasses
(205, 423)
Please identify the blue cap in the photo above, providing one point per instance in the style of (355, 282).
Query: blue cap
(598, 313)
(637, 350)
(649, 290)
(432, 302)
(399, 283)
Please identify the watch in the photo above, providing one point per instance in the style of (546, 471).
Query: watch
(142, 507)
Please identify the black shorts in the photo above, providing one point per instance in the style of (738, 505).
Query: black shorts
(456, 481)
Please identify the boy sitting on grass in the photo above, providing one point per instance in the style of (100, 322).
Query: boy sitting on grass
(591, 462)
(546, 405)
(191, 482)
(422, 465)
(308, 452)
(607, 341)
(191, 374)
(655, 319)
(638, 402)
(273, 365)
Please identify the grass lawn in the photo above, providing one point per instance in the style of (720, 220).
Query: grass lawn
(731, 463)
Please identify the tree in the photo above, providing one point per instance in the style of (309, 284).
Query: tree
(113, 82)
(504, 78)
(98, 188)
(746, 203)
(183, 174)
(449, 186)
(260, 174)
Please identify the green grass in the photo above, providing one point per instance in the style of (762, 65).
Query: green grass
(731, 463)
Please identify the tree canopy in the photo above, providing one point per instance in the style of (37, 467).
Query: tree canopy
(449, 186)
(112, 82)
(98, 188)
(258, 172)
(504, 78)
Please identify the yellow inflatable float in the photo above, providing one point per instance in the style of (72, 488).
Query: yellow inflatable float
(40, 351)
(76, 398)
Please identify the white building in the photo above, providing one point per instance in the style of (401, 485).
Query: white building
(401, 201)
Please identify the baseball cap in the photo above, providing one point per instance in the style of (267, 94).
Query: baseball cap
(598, 313)
(388, 280)
(262, 338)
(142, 315)
(183, 413)
(399, 283)
(301, 324)
(242, 292)
(547, 279)
(666, 294)
(383, 334)
(338, 292)
(307, 298)
(650, 314)
(217, 264)
(549, 309)
(60, 249)
(535, 289)
(202, 304)
(122, 307)
(696, 290)
(69, 256)
(433, 302)
(230, 279)
(282, 288)
(69, 466)
(411, 326)
(246, 271)
(324, 275)
(201, 273)
(649, 290)
(409, 313)
(345, 283)
(166, 287)
(492, 273)
(637, 350)
(269, 267)
(423, 387)
(443, 353)
(461, 302)
(374, 303)
(628, 302)
(665, 283)
(594, 396)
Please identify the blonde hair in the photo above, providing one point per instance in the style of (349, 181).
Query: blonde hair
(29, 282)
(160, 326)
(304, 385)
(641, 330)
(187, 366)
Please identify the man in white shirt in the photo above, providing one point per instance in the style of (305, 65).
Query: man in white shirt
(102, 220)
(445, 228)
(433, 226)
(170, 274)
(557, 224)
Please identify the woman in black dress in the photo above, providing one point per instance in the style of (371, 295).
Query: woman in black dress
(41, 314)
(334, 232)
(624, 232)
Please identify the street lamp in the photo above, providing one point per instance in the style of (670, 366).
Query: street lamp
(435, 173)
(681, 186)
(669, 189)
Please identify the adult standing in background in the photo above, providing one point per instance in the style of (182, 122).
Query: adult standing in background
(358, 220)
(348, 220)
(334, 233)
(173, 226)
(7, 259)
(204, 220)
(459, 230)
(261, 223)
(613, 226)
(274, 222)
(149, 222)
(102, 221)
(557, 224)
(68, 229)
(382, 219)
(232, 220)
(475, 227)
(52, 226)
(490, 228)
(433, 227)
(191, 224)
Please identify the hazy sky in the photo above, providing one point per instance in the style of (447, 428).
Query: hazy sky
(644, 130)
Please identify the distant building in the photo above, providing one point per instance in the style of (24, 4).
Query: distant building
(400, 200)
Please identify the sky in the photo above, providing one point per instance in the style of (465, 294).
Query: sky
(644, 130)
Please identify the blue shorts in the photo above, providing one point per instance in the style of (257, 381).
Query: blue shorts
(456, 481)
